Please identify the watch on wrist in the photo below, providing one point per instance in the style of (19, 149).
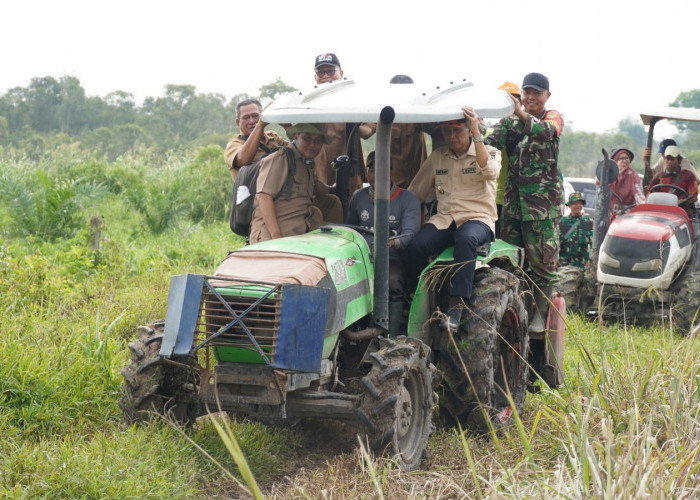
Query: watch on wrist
(478, 139)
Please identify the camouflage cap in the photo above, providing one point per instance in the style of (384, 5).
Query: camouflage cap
(574, 197)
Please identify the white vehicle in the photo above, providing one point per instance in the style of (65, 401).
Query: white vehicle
(648, 265)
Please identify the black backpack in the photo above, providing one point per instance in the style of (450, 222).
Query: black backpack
(247, 178)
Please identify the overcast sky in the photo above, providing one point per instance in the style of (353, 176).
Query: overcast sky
(606, 60)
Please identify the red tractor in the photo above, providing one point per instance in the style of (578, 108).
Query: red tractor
(646, 263)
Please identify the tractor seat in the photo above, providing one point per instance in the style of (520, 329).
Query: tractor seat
(668, 199)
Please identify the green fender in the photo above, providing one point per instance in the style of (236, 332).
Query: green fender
(433, 277)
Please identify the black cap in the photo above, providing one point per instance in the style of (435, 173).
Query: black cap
(370, 163)
(370, 160)
(326, 59)
(535, 81)
(401, 79)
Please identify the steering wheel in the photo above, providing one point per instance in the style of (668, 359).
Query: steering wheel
(619, 198)
(359, 229)
(676, 189)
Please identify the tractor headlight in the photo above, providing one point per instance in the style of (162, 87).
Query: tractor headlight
(649, 265)
(607, 260)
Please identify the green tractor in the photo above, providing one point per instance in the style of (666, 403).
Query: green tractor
(299, 327)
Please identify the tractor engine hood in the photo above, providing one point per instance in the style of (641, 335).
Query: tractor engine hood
(644, 248)
(333, 258)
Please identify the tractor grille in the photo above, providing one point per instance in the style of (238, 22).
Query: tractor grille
(261, 321)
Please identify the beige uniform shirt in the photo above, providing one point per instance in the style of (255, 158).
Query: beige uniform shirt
(686, 164)
(293, 214)
(464, 191)
(270, 139)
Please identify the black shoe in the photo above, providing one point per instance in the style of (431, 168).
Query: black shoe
(452, 319)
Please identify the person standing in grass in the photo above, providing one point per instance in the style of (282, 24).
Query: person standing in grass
(533, 190)
(576, 231)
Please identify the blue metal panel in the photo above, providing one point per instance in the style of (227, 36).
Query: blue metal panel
(302, 322)
(184, 296)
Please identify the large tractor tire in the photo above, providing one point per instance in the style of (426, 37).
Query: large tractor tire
(492, 345)
(570, 282)
(152, 387)
(398, 400)
(686, 306)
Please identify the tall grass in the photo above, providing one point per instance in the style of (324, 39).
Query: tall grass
(625, 424)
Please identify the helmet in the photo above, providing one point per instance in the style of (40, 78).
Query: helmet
(510, 87)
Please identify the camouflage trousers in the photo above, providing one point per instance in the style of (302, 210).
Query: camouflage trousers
(540, 239)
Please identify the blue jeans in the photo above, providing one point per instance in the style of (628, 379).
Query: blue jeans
(431, 241)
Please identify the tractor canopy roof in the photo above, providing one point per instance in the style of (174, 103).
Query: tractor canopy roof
(683, 114)
(348, 101)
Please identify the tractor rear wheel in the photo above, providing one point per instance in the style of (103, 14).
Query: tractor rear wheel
(398, 400)
(570, 282)
(151, 386)
(486, 360)
(686, 307)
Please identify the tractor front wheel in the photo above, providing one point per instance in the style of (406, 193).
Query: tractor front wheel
(151, 387)
(399, 396)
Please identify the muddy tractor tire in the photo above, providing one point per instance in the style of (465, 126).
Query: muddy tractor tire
(151, 387)
(396, 408)
(686, 306)
(570, 282)
(492, 345)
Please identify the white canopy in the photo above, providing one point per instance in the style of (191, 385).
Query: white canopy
(347, 101)
(684, 114)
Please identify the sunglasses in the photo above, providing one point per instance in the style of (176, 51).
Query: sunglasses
(329, 72)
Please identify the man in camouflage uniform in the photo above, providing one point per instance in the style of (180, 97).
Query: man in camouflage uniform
(533, 191)
(576, 231)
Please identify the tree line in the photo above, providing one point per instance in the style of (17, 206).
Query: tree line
(53, 113)
(50, 112)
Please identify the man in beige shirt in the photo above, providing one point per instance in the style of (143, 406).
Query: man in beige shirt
(253, 142)
(287, 209)
(463, 176)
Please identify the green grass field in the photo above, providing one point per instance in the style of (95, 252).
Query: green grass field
(626, 425)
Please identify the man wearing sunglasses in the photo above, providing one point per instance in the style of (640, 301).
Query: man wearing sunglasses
(344, 138)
